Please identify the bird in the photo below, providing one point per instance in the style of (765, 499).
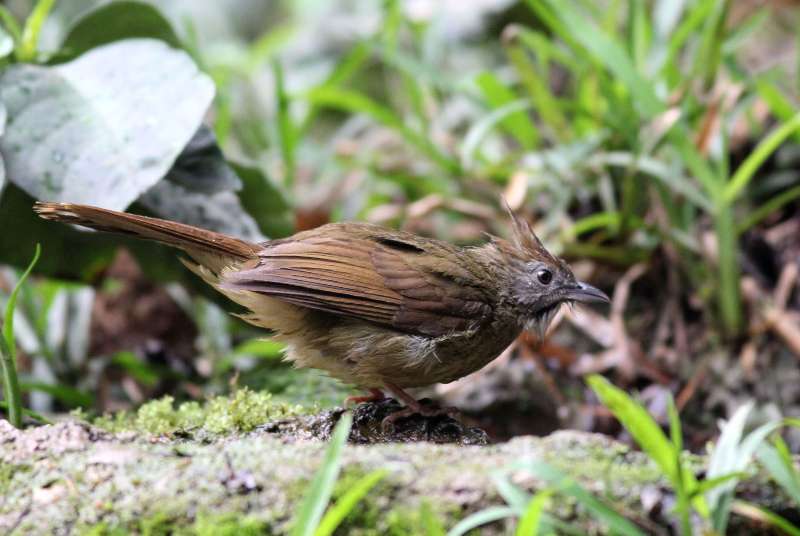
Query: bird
(381, 309)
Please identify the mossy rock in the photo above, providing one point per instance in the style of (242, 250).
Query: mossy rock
(73, 478)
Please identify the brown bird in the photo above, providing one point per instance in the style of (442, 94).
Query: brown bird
(373, 307)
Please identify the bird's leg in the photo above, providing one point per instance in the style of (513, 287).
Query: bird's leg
(413, 407)
(374, 395)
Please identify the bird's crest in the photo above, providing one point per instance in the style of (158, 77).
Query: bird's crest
(525, 240)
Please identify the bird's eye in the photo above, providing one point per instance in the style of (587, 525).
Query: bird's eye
(544, 276)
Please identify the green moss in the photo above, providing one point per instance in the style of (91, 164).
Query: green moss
(7, 472)
(229, 525)
(408, 522)
(241, 411)
(162, 524)
(364, 518)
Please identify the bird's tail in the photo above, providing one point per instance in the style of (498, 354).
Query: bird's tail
(201, 244)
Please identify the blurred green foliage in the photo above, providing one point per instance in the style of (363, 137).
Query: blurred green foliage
(615, 125)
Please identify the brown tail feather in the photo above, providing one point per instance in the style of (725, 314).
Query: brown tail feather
(197, 242)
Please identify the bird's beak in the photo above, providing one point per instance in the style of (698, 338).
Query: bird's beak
(586, 293)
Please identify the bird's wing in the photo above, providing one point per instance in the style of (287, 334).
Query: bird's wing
(413, 285)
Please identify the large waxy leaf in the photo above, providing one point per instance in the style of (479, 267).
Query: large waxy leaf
(2, 130)
(114, 22)
(201, 166)
(220, 211)
(105, 127)
(265, 201)
(200, 189)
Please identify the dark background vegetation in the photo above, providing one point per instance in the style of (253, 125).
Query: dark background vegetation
(654, 145)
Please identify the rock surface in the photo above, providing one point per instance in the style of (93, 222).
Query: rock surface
(71, 478)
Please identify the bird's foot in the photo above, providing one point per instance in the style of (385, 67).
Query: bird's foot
(388, 423)
(374, 395)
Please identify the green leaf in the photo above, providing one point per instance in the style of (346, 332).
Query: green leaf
(732, 454)
(675, 432)
(349, 65)
(778, 103)
(138, 369)
(29, 41)
(517, 123)
(531, 520)
(287, 132)
(513, 495)
(11, 304)
(700, 168)
(201, 166)
(355, 102)
(201, 189)
(649, 436)
(747, 169)
(535, 75)
(768, 208)
(3, 117)
(487, 515)
(781, 468)
(114, 22)
(309, 514)
(644, 430)
(759, 513)
(433, 526)
(219, 211)
(8, 350)
(610, 53)
(69, 396)
(708, 484)
(105, 127)
(10, 24)
(478, 132)
(339, 511)
(28, 413)
(265, 201)
(264, 348)
(685, 30)
(560, 482)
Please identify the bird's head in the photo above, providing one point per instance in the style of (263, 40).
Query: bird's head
(539, 283)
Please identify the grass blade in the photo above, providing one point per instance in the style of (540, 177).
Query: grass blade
(518, 124)
(355, 102)
(11, 389)
(336, 514)
(513, 495)
(286, 129)
(768, 208)
(531, 520)
(767, 146)
(433, 527)
(656, 169)
(644, 430)
(481, 129)
(534, 75)
(27, 412)
(781, 469)
(319, 493)
(610, 53)
(8, 356)
(729, 294)
(617, 523)
(675, 432)
(487, 515)
(29, 42)
(10, 24)
(763, 515)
